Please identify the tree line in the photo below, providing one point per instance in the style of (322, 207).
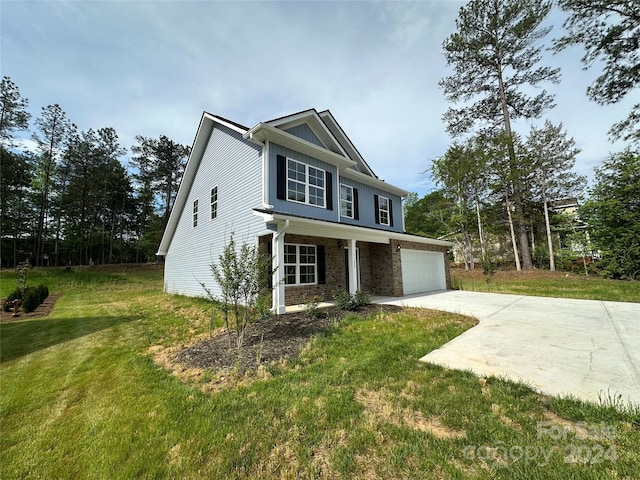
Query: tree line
(75, 200)
(493, 183)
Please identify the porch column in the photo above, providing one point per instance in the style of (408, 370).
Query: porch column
(353, 266)
(278, 304)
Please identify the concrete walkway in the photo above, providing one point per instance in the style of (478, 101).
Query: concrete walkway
(587, 348)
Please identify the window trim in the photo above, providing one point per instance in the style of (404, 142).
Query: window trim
(298, 264)
(213, 203)
(382, 210)
(307, 184)
(352, 201)
(195, 213)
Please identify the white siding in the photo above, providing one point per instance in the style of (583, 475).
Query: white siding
(234, 166)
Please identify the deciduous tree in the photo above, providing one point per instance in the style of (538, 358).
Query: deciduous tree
(613, 214)
(553, 156)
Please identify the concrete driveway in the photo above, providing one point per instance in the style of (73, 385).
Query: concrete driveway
(586, 348)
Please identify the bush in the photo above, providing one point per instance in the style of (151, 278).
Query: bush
(31, 300)
(43, 292)
(346, 301)
(8, 304)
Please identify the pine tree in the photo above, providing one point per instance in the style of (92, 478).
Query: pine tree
(494, 54)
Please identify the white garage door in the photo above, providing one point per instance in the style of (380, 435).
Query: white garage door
(422, 271)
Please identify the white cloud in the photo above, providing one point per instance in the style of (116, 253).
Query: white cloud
(150, 68)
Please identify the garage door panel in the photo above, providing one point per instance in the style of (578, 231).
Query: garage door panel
(422, 271)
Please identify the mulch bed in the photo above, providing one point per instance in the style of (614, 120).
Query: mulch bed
(43, 310)
(266, 341)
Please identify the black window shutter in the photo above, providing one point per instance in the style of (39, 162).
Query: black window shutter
(356, 207)
(376, 207)
(329, 190)
(322, 266)
(390, 213)
(282, 177)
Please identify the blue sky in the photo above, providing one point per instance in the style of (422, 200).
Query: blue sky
(151, 68)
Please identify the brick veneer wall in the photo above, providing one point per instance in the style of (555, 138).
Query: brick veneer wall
(380, 267)
(427, 248)
(335, 273)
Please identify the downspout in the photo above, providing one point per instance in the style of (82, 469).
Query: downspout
(265, 170)
(278, 303)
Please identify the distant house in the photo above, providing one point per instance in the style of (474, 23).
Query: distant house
(298, 188)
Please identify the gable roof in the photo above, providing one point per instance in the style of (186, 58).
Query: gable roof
(330, 133)
(338, 151)
(339, 134)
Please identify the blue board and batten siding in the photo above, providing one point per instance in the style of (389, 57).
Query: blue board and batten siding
(366, 207)
(234, 165)
(366, 195)
(295, 208)
(304, 131)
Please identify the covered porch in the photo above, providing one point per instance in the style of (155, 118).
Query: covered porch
(313, 259)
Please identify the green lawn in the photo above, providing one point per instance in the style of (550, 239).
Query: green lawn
(81, 397)
(547, 284)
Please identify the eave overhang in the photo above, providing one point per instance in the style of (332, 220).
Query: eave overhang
(341, 231)
(373, 182)
(263, 132)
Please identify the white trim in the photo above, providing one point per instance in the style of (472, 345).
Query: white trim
(326, 114)
(307, 184)
(340, 231)
(317, 126)
(298, 265)
(385, 210)
(373, 182)
(194, 213)
(352, 201)
(211, 203)
(263, 132)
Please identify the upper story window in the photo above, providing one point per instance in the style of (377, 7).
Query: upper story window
(346, 201)
(305, 184)
(300, 264)
(214, 202)
(195, 212)
(384, 210)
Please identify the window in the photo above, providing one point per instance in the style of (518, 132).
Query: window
(305, 184)
(346, 201)
(195, 213)
(214, 202)
(300, 264)
(383, 210)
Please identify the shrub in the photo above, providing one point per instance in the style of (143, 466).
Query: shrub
(31, 300)
(311, 308)
(31, 297)
(8, 304)
(346, 301)
(43, 292)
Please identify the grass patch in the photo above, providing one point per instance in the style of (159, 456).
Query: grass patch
(547, 284)
(82, 398)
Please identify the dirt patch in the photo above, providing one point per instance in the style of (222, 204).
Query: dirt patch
(43, 310)
(378, 406)
(270, 340)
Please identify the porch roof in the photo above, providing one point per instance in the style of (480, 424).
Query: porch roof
(321, 228)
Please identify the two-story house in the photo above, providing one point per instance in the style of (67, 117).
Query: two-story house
(298, 188)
